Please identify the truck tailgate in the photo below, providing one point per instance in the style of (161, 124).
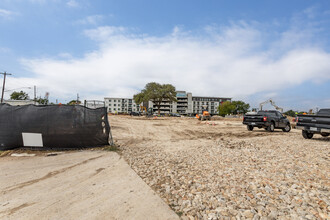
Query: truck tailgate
(314, 121)
(253, 118)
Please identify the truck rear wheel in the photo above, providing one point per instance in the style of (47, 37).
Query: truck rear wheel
(250, 127)
(271, 127)
(325, 134)
(307, 135)
(287, 128)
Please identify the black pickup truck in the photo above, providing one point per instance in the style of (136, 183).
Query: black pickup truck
(269, 120)
(314, 124)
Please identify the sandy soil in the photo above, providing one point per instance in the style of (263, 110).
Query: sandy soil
(219, 170)
(88, 184)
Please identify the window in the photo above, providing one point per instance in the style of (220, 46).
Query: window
(114, 109)
(279, 114)
(114, 104)
(119, 109)
(114, 100)
(109, 104)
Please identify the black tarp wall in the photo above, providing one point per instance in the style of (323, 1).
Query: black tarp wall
(61, 126)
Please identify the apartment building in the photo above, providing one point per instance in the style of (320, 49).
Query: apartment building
(211, 103)
(183, 105)
(186, 104)
(121, 105)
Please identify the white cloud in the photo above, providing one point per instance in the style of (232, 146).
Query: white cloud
(5, 50)
(65, 55)
(90, 20)
(311, 12)
(72, 4)
(43, 1)
(228, 62)
(6, 13)
(104, 33)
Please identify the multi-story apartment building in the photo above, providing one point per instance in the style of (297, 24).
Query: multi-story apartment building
(211, 103)
(183, 105)
(186, 104)
(121, 105)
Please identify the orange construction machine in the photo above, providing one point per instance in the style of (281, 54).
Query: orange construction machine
(205, 114)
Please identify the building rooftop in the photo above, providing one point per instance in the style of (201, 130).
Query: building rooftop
(211, 97)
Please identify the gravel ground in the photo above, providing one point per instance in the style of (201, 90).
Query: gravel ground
(219, 170)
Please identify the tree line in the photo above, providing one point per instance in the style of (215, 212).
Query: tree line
(21, 95)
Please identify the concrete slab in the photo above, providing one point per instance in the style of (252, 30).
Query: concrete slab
(78, 185)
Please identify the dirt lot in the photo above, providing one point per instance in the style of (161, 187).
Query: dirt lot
(219, 170)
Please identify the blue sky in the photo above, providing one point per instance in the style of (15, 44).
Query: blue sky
(250, 50)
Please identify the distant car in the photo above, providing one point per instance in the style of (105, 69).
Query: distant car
(135, 114)
(174, 115)
(158, 115)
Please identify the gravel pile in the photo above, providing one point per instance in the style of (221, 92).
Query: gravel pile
(256, 179)
(219, 170)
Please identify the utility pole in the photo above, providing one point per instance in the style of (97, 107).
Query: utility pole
(77, 99)
(35, 94)
(4, 83)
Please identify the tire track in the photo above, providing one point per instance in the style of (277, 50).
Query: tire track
(48, 175)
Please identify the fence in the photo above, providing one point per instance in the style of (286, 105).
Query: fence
(53, 126)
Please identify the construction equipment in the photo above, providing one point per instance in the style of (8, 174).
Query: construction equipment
(205, 114)
(143, 109)
(272, 103)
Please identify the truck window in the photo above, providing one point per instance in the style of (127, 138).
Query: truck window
(279, 114)
(324, 112)
(270, 114)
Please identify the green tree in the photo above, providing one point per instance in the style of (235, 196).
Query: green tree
(290, 113)
(157, 93)
(226, 108)
(19, 96)
(74, 102)
(240, 107)
(42, 101)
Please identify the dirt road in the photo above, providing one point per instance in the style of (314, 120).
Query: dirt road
(219, 170)
(79, 185)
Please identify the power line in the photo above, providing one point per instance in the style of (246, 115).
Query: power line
(8, 90)
(4, 83)
(19, 82)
